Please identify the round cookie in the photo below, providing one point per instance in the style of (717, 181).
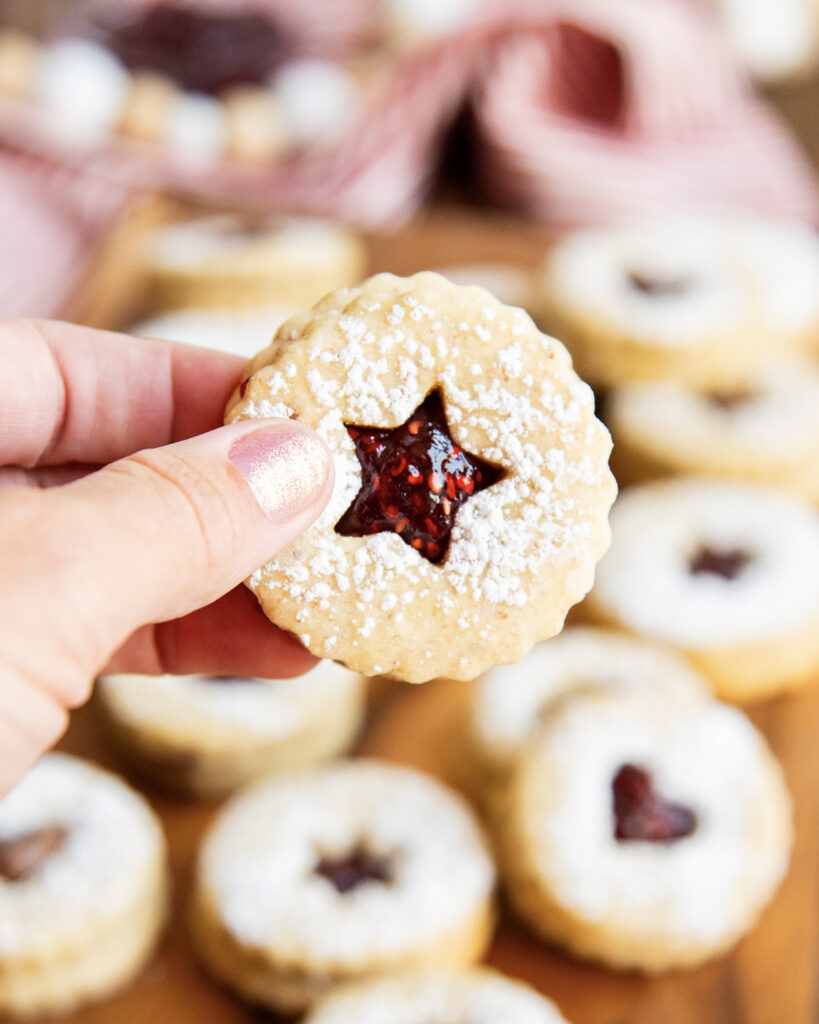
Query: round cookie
(206, 736)
(83, 887)
(728, 573)
(227, 262)
(766, 431)
(643, 834)
(342, 873)
(510, 703)
(700, 301)
(472, 485)
(468, 997)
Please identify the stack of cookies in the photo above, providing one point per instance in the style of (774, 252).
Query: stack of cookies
(701, 338)
(227, 281)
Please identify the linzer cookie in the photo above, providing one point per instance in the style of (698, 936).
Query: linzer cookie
(83, 882)
(642, 833)
(702, 301)
(342, 873)
(727, 573)
(472, 485)
(509, 703)
(765, 430)
(229, 262)
(205, 736)
(475, 996)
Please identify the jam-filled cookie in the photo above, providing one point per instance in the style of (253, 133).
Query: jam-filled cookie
(472, 484)
(703, 301)
(645, 834)
(728, 573)
(509, 703)
(205, 736)
(341, 873)
(765, 431)
(465, 997)
(228, 262)
(83, 882)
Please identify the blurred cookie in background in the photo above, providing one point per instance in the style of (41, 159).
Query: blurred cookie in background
(83, 887)
(704, 301)
(510, 284)
(509, 703)
(342, 873)
(230, 262)
(244, 332)
(764, 431)
(406, 998)
(725, 572)
(204, 736)
(643, 834)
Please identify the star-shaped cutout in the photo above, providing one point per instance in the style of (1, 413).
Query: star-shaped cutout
(414, 478)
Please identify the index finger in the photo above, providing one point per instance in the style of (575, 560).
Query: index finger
(75, 394)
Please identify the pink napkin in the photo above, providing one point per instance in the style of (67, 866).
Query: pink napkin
(584, 110)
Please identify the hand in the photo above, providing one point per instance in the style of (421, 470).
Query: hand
(127, 517)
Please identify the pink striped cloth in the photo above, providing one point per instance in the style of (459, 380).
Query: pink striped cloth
(585, 111)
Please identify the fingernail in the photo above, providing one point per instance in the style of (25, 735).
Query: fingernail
(286, 466)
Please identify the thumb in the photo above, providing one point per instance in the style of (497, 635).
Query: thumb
(167, 530)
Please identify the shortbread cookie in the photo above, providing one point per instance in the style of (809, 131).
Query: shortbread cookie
(510, 703)
(240, 331)
(226, 261)
(341, 873)
(728, 573)
(645, 834)
(702, 301)
(766, 431)
(464, 997)
(472, 485)
(83, 882)
(512, 285)
(206, 736)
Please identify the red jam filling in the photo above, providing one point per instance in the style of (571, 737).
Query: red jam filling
(657, 287)
(22, 857)
(414, 478)
(203, 51)
(724, 562)
(355, 868)
(639, 813)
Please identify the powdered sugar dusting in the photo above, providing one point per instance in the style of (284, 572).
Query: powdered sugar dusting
(703, 889)
(542, 433)
(107, 864)
(261, 856)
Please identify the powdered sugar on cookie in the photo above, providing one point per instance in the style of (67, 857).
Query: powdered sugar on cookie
(522, 551)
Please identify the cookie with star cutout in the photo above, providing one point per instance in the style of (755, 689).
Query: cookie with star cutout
(472, 483)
